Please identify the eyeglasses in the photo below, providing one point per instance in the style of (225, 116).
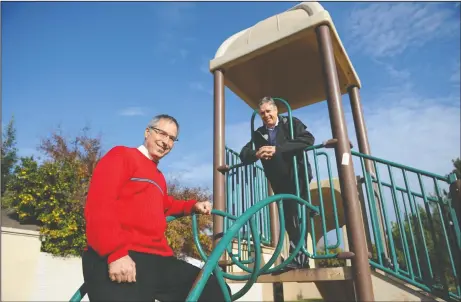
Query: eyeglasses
(164, 134)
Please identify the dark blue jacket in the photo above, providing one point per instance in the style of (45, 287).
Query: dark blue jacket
(279, 170)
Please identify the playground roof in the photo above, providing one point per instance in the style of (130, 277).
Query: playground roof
(279, 57)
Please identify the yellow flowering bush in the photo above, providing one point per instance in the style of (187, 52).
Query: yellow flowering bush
(52, 194)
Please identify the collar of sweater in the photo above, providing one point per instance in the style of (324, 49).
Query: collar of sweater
(276, 124)
(144, 151)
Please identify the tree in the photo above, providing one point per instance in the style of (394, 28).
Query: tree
(435, 244)
(457, 167)
(53, 194)
(457, 171)
(9, 154)
(432, 223)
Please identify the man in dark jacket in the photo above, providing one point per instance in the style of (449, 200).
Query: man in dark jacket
(275, 148)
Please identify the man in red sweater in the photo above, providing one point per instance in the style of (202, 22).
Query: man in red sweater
(128, 257)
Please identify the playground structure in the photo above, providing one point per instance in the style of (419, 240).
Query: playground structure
(299, 56)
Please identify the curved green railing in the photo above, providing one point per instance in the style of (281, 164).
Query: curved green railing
(256, 270)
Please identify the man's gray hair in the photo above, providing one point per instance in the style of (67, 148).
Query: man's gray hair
(267, 100)
(156, 119)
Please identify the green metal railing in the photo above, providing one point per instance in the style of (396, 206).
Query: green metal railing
(422, 234)
(238, 190)
(246, 185)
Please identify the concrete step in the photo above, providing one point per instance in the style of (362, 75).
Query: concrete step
(302, 275)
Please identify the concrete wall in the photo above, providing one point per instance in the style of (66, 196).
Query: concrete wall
(57, 279)
(30, 275)
(20, 253)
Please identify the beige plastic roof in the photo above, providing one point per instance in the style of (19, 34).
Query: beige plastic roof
(279, 57)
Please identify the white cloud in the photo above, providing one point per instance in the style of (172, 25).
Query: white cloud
(408, 128)
(423, 134)
(388, 29)
(189, 39)
(132, 111)
(455, 76)
(174, 14)
(204, 67)
(237, 135)
(198, 86)
(191, 170)
(396, 74)
(183, 53)
(174, 19)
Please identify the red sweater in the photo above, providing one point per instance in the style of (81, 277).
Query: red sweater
(127, 205)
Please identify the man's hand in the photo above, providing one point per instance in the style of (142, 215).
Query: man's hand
(203, 207)
(123, 270)
(265, 152)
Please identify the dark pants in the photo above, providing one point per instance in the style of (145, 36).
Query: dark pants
(292, 222)
(157, 277)
(293, 228)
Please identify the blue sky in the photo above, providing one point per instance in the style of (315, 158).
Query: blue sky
(113, 66)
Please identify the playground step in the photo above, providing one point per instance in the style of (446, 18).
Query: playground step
(303, 275)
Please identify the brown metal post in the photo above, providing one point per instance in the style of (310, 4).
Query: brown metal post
(455, 194)
(218, 157)
(359, 123)
(364, 147)
(355, 229)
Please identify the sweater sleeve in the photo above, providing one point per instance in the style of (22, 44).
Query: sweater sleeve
(175, 207)
(103, 230)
